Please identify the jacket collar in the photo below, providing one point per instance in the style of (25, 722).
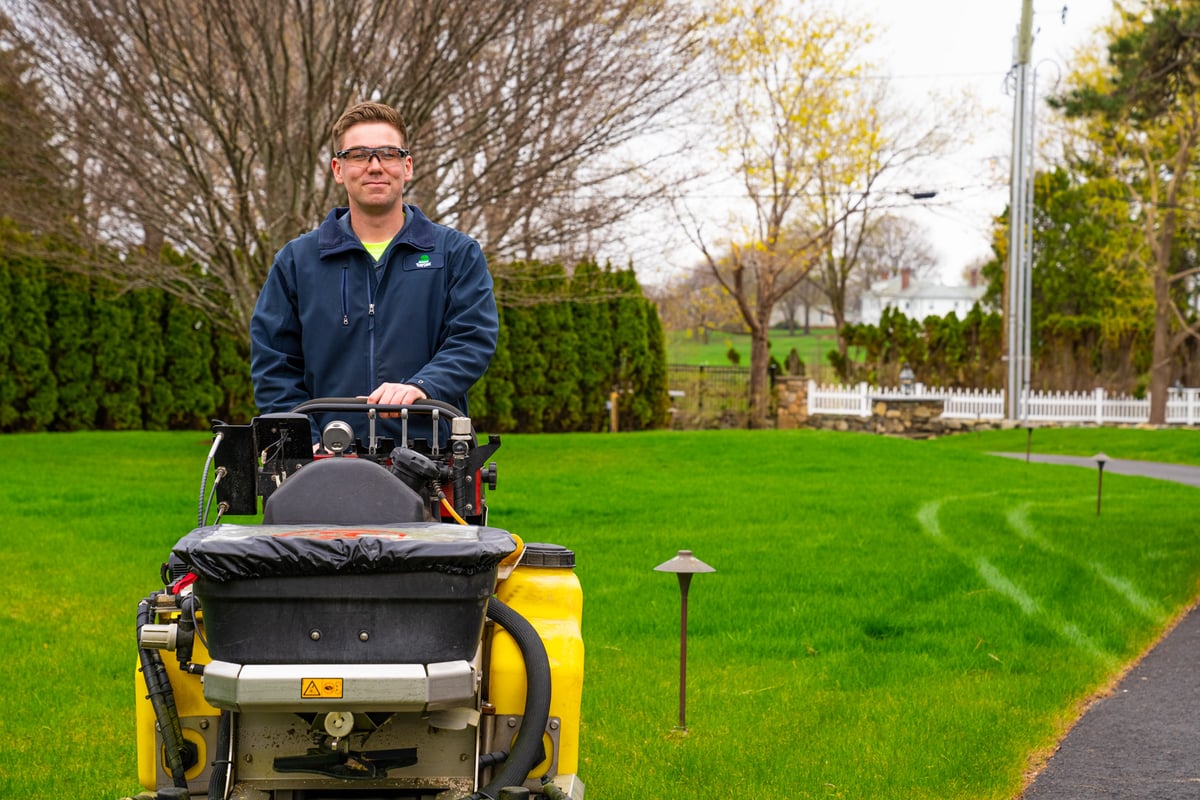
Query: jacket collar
(335, 235)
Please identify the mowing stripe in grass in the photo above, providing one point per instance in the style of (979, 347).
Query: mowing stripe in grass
(997, 580)
(1138, 602)
(927, 517)
(1018, 520)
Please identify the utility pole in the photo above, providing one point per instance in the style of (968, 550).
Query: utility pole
(1020, 229)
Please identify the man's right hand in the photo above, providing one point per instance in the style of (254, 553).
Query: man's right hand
(397, 394)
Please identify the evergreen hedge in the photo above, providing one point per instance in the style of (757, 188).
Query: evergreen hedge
(1070, 353)
(77, 353)
(942, 351)
(567, 342)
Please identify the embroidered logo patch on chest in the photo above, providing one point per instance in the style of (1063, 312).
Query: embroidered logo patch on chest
(414, 261)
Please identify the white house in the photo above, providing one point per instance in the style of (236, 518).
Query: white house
(918, 299)
(819, 316)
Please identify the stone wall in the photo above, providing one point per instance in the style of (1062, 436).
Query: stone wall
(791, 402)
(912, 417)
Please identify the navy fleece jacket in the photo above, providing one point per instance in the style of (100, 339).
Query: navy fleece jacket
(330, 322)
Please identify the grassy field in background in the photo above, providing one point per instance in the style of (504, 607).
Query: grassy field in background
(888, 618)
(685, 348)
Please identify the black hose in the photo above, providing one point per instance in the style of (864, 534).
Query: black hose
(222, 763)
(162, 698)
(527, 748)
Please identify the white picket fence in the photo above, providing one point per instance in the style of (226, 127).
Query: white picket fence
(1096, 407)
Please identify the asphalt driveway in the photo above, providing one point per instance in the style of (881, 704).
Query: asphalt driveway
(1142, 742)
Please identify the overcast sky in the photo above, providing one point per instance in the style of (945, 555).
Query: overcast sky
(944, 46)
(949, 44)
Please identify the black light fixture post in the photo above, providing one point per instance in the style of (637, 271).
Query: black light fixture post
(1100, 459)
(684, 565)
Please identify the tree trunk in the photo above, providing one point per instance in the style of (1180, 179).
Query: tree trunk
(839, 323)
(1160, 366)
(760, 357)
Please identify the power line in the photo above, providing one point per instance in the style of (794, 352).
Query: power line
(914, 193)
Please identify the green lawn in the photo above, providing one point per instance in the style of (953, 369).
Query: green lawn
(685, 348)
(888, 618)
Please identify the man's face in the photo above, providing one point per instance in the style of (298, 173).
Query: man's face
(373, 188)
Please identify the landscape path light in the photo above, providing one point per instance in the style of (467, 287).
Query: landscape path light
(906, 379)
(684, 565)
(1100, 460)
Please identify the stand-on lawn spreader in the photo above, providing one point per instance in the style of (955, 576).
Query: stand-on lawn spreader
(371, 639)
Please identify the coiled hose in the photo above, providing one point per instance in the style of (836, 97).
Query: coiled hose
(162, 698)
(527, 748)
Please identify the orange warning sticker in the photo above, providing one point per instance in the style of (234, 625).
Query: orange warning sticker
(320, 688)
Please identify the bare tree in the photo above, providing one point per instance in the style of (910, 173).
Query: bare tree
(819, 150)
(801, 300)
(534, 151)
(894, 243)
(786, 108)
(858, 204)
(205, 126)
(872, 244)
(31, 171)
(696, 302)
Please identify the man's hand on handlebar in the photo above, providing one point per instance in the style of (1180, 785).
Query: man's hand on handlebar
(396, 394)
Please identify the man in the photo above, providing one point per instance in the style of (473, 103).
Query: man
(378, 301)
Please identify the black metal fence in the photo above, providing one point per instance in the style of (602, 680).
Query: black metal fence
(704, 396)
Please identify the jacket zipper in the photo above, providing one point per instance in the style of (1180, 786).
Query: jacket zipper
(345, 299)
(371, 331)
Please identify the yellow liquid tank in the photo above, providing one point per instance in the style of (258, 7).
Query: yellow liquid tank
(545, 591)
(195, 714)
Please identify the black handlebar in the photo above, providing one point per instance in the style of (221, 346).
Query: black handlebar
(360, 404)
